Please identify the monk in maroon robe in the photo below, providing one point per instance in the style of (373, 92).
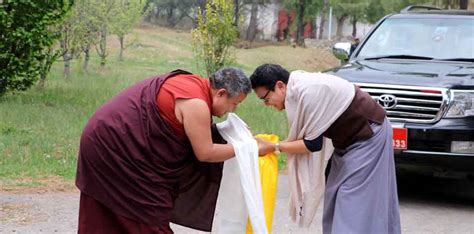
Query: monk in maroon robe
(151, 155)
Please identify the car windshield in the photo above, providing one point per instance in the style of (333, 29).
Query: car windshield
(437, 38)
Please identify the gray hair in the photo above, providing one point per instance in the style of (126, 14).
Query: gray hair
(232, 79)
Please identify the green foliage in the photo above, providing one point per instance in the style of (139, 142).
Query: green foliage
(51, 55)
(214, 36)
(393, 6)
(102, 13)
(376, 9)
(305, 10)
(347, 7)
(171, 10)
(25, 39)
(311, 7)
(84, 25)
(74, 35)
(447, 4)
(125, 16)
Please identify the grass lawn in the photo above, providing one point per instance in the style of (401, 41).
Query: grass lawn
(40, 129)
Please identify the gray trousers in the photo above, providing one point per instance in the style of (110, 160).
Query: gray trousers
(361, 190)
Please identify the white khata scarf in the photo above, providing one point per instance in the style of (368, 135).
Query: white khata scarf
(313, 102)
(236, 204)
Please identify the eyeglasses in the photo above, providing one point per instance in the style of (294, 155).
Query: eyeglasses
(264, 98)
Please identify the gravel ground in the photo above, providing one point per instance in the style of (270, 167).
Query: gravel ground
(426, 206)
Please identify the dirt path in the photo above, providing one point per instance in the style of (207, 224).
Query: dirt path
(39, 213)
(426, 206)
(54, 209)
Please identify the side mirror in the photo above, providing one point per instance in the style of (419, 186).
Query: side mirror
(341, 50)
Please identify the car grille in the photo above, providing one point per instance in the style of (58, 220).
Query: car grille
(409, 103)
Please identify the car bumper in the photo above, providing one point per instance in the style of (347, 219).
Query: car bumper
(431, 146)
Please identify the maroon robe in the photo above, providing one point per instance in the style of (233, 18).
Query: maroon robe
(131, 162)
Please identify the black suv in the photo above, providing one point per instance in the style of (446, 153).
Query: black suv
(419, 66)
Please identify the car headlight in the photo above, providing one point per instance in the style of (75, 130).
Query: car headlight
(463, 104)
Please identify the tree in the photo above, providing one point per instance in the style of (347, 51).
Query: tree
(305, 9)
(300, 5)
(25, 39)
(392, 6)
(357, 13)
(125, 15)
(70, 40)
(252, 28)
(88, 28)
(202, 9)
(173, 10)
(349, 9)
(374, 11)
(237, 7)
(324, 11)
(451, 4)
(78, 33)
(214, 37)
(51, 55)
(342, 12)
(103, 13)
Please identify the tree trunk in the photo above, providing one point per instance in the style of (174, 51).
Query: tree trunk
(354, 26)
(121, 48)
(300, 24)
(66, 57)
(463, 4)
(41, 82)
(252, 29)
(202, 6)
(323, 18)
(43, 75)
(67, 66)
(103, 46)
(86, 58)
(152, 15)
(340, 25)
(236, 13)
(314, 27)
(46, 67)
(170, 19)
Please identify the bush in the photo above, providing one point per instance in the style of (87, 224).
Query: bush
(25, 39)
(214, 36)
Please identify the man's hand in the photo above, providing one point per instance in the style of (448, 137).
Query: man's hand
(264, 147)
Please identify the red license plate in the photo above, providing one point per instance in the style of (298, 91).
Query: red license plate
(400, 138)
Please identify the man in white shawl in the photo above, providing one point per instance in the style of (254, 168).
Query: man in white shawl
(329, 116)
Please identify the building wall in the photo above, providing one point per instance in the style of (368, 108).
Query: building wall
(267, 21)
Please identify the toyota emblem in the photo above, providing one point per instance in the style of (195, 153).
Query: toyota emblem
(387, 101)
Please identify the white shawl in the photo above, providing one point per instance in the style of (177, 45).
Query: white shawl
(236, 204)
(313, 102)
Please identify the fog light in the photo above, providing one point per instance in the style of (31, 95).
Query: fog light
(463, 147)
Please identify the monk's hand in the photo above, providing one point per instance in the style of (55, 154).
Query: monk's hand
(264, 147)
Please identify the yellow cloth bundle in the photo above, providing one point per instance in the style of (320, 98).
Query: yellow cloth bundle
(268, 166)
